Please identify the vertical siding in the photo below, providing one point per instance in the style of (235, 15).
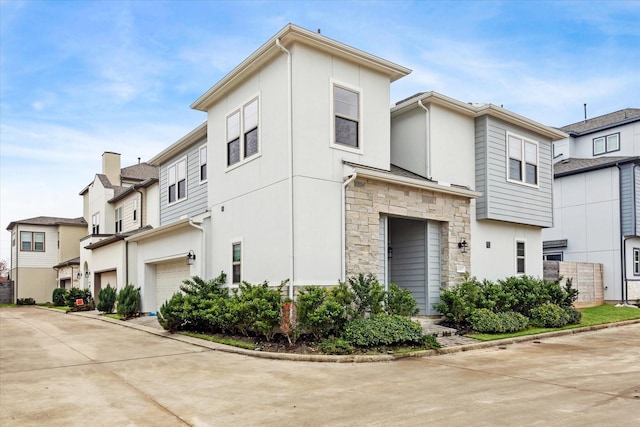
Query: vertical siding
(196, 200)
(433, 266)
(481, 166)
(409, 254)
(510, 201)
(382, 250)
(627, 199)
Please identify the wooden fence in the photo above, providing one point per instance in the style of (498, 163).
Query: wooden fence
(586, 277)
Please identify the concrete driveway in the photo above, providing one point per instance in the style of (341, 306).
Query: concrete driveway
(58, 369)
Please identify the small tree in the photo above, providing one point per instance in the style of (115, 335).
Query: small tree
(129, 302)
(107, 299)
(58, 297)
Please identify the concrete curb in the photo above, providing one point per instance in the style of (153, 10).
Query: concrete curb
(344, 359)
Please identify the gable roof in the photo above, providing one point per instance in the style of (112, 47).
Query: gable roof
(476, 110)
(573, 166)
(49, 220)
(288, 35)
(617, 118)
(195, 136)
(139, 172)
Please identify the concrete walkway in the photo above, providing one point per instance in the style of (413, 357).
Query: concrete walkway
(71, 370)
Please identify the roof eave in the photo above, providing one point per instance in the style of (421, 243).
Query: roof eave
(288, 35)
(174, 149)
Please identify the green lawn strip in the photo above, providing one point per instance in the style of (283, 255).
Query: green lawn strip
(60, 307)
(225, 341)
(7, 305)
(113, 316)
(590, 316)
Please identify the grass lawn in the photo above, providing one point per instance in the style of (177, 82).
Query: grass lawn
(113, 316)
(7, 305)
(590, 316)
(218, 340)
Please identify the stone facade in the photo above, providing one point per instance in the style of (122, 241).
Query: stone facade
(368, 199)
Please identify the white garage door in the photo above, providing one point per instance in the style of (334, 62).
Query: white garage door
(108, 278)
(169, 277)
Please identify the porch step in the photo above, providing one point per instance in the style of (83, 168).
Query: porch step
(431, 327)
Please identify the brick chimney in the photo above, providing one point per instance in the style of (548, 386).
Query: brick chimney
(111, 166)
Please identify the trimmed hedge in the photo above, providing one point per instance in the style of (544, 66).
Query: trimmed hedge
(382, 329)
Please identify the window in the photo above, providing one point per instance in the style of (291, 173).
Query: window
(346, 110)
(31, 241)
(242, 133)
(606, 144)
(520, 257)
(552, 256)
(203, 163)
(236, 262)
(119, 220)
(135, 209)
(523, 160)
(636, 261)
(95, 223)
(177, 181)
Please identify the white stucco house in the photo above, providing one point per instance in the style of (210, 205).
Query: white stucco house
(118, 203)
(312, 177)
(597, 200)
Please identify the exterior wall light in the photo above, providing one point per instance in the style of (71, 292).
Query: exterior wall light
(79, 275)
(191, 258)
(86, 274)
(463, 245)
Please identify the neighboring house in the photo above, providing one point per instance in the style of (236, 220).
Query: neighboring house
(118, 203)
(597, 200)
(38, 245)
(313, 179)
(184, 227)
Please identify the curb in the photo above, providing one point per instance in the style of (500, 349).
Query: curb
(345, 359)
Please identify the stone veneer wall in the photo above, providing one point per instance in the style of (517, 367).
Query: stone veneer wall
(367, 199)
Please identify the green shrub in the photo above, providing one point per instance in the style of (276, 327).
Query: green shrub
(485, 320)
(400, 301)
(171, 313)
(368, 295)
(458, 302)
(197, 286)
(382, 329)
(333, 345)
(58, 296)
(258, 308)
(319, 313)
(549, 316)
(74, 294)
(107, 299)
(574, 316)
(25, 301)
(128, 301)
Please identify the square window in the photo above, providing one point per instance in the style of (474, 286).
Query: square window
(177, 181)
(522, 157)
(598, 146)
(613, 142)
(25, 240)
(242, 133)
(38, 242)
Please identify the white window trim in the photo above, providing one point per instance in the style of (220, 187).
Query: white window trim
(515, 251)
(95, 221)
(239, 240)
(186, 181)
(332, 124)
(524, 163)
(240, 109)
(635, 264)
(203, 181)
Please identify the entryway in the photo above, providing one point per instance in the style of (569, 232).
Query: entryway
(413, 259)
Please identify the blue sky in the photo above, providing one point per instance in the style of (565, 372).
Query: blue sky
(78, 78)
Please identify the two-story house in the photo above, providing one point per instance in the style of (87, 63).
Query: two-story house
(179, 247)
(313, 178)
(118, 202)
(597, 200)
(40, 247)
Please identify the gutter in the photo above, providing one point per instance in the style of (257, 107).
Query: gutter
(343, 224)
(290, 151)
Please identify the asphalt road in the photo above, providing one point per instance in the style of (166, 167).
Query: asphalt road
(66, 370)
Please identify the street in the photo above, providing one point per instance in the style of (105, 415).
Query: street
(60, 369)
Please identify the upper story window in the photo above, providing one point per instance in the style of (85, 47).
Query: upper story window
(203, 163)
(242, 133)
(95, 223)
(119, 220)
(606, 144)
(520, 257)
(346, 111)
(135, 209)
(177, 181)
(523, 160)
(31, 241)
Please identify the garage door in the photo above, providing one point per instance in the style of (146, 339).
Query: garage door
(169, 277)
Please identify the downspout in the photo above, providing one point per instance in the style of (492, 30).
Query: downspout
(343, 228)
(427, 138)
(18, 246)
(202, 247)
(290, 150)
(126, 244)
